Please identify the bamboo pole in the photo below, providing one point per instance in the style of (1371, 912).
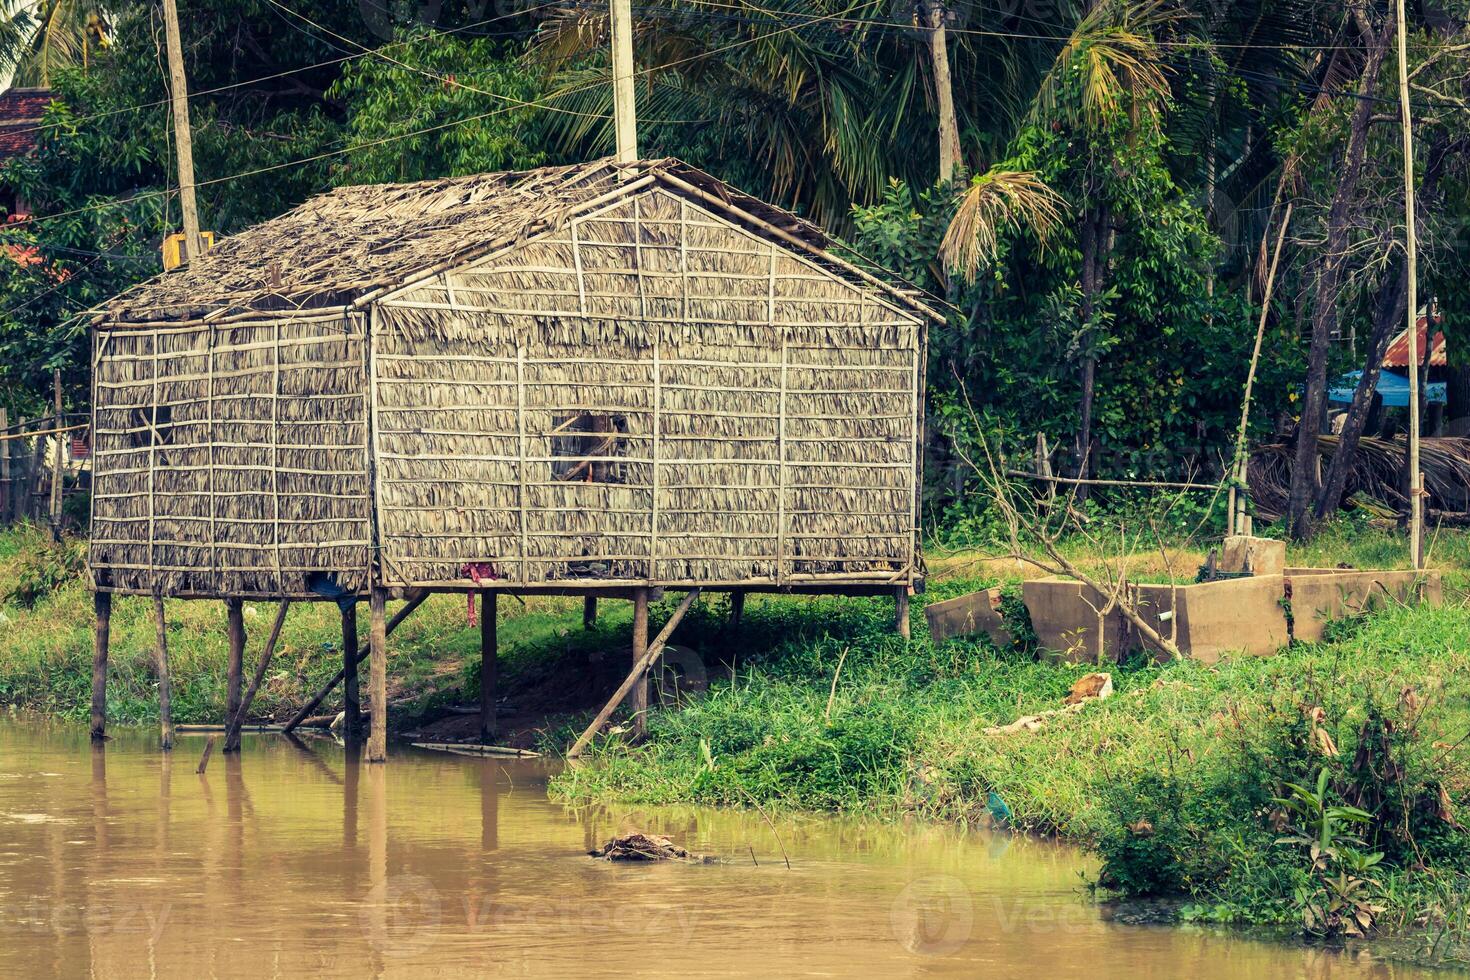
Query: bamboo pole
(589, 612)
(377, 748)
(232, 735)
(489, 667)
(1411, 256)
(737, 608)
(40, 433)
(1073, 481)
(413, 603)
(901, 611)
(102, 604)
(160, 653)
(639, 671)
(1239, 518)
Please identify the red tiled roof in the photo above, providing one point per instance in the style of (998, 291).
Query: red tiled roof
(20, 113)
(1398, 350)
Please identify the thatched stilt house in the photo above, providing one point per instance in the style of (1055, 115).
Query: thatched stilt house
(590, 379)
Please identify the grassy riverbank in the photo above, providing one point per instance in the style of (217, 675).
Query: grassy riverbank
(1176, 781)
(816, 704)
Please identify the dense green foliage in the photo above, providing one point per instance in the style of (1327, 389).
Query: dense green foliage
(1163, 128)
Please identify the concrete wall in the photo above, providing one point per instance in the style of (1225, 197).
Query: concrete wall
(1320, 595)
(1064, 615)
(1210, 619)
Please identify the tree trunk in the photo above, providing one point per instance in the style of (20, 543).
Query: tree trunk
(1331, 272)
(1388, 312)
(1092, 238)
(949, 130)
(1457, 379)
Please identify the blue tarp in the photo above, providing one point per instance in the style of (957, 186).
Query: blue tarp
(1393, 387)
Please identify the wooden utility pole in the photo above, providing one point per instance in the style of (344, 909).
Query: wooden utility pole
(933, 12)
(58, 458)
(1411, 256)
(183, 142)
(625, 114)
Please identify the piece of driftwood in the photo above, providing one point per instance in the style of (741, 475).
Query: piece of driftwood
(638, 846)
(204, 759)
(472, 748)
(640, 669)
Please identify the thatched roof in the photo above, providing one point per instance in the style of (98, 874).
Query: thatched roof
(354, 242)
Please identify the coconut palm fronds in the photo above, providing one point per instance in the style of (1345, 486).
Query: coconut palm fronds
(995, 201)
(1376, 481)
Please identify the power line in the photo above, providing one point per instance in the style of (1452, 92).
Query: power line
(437, 76)
(541, 103)
(466, 29)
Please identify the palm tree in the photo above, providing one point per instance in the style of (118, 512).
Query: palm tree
(40, 37)
(815, 104)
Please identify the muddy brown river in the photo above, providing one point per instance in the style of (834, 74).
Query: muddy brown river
(294, 860)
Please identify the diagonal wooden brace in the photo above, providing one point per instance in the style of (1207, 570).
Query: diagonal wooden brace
(639, 669)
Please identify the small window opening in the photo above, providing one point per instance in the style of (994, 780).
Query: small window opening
(585, 449)
(151, 426)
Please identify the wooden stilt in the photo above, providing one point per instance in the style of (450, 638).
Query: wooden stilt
(737, 608)
(315, 702)
(160, 653)
(489, 666)
(351, 699)
(232, 734)
(901, 611)
(589, 612)
(235, 669)
(640, 648)
(377, 747)
(102, 603)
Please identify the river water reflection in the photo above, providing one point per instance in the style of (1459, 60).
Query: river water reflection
(296, 860)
